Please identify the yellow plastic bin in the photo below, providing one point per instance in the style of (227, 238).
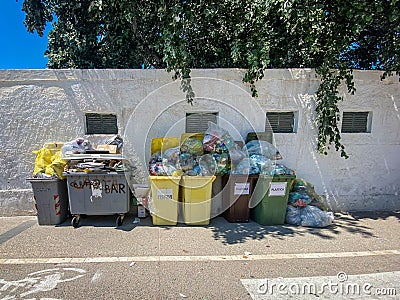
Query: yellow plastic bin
(164, 199)
(196, 198)
(199, 136)
(161, 144)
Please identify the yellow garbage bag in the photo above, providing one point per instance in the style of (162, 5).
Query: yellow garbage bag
(43, 159)
(48, 163)
(57, 165)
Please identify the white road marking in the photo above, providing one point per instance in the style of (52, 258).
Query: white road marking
(342, 286)
(188, 258)
(36, 282)
(96, 277)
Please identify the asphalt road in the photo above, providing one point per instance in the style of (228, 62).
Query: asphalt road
(220, 261)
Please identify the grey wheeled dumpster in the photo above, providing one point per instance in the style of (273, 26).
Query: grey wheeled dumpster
(105, 193)
(51, 200)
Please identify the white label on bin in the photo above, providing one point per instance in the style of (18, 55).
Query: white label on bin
(242, 188)
(164, 194)
(277, 189)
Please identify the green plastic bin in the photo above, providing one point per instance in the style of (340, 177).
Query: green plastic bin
(271, 196)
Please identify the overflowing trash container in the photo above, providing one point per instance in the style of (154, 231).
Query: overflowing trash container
(49, 187)
(196, 198)
(92, 193)
(164, 186)
(96, 179)
(270, 198)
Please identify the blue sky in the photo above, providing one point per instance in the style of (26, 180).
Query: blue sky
(20, 49)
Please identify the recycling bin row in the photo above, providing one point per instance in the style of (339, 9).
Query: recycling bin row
(260, 197)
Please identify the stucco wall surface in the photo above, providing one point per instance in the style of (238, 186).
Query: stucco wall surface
(39, 106)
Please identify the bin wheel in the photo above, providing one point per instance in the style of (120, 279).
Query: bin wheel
(75, 222)
(119, 221)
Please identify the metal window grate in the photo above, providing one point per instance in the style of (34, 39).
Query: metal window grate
(101, 123)
(355, 122)
(280, 122)
(198, 122)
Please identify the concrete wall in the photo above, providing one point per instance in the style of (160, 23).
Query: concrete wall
(39, 106)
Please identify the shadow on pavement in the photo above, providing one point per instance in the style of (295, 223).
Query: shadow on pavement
(105, 221)
(234, 233)
(375, 215)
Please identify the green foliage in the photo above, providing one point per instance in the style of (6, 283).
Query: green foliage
(334, 37)
(327, 109)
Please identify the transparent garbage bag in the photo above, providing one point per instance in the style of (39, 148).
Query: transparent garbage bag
(263, 148)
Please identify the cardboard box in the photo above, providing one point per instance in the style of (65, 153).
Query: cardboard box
(54, 146)
(112, 149)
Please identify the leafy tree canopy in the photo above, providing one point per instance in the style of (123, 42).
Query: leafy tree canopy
(334, 37)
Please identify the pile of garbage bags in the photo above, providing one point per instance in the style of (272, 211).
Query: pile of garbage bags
(306, 207)
(76, 146)
(217, 154)
(260, 157)
(80, 145)
(204, 156)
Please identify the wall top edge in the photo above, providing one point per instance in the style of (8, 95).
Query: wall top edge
(296, 74)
